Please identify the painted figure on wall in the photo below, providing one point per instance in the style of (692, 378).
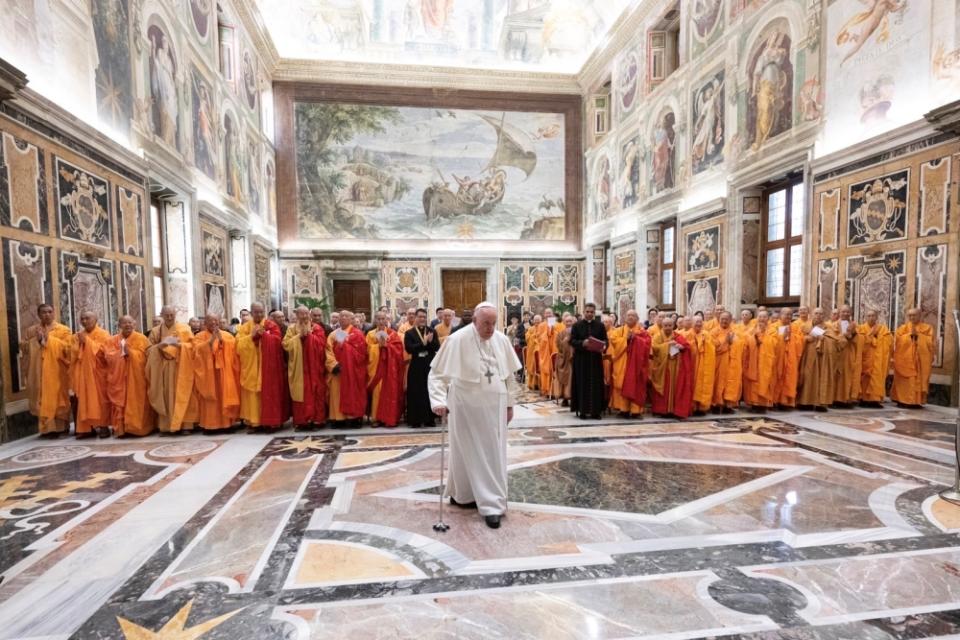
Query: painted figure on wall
(630, 172)
(861, 27)
(707, 148)
(770, 103)
(664, 147)
(164, 100)
(200, 10)
(114, 75)
(253, 176)
(701, 294)
(233, 158)
(876, 98)
(602, 188)
(628, 79)
(249, 77)
(271, 195)
(705, 16)
(204, 127)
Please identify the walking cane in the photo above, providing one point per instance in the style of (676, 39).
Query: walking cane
(441, 526)
(952, 494)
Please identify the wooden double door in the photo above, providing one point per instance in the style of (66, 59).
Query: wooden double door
(463, 288)
(352, 295)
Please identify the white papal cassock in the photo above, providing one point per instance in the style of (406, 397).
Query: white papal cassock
(477, 403)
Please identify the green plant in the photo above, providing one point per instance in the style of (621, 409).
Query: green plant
(312, 303)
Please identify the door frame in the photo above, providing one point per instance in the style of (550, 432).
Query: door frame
(372, 275)
(490, 265)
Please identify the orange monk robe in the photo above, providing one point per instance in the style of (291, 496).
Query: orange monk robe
(217, 378)
(385, 377)
(654, 331)
(913, 347)
(443, 332)
(563, 381)
(728, 376)
(671, 376)
(761, 362)
(818, 367)
(48, 376)
(124, 364)
(263, 386)
(617, 342)
(169, 371)
(347, 398)
(547, 347)
(788, 372)
(877, 347)
(531, 359)
(704, 352)
(402, 331)
(306, 373)
(847, 387)
(710, 325)
(86, 379)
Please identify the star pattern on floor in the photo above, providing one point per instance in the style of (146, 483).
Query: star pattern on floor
(175, 628)
(309, 444)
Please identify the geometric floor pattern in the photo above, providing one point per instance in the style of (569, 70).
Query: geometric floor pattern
(791, 525)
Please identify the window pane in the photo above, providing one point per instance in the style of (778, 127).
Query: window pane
(796, 269)
(776, 215)
(668, 245)
(775, 273)
(667, 287)
(155, 236)
(797, 212)
(157, 295)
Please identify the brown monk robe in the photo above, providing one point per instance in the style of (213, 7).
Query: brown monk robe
(170, 370)
(444, 328)
(763, 351)
(86, 379)
(728, 381)
(913, 350)
(563, 381)
(46, 355)
(789, 371)
(217, 376)
(877, 348)
(847, 389)
(819, 363)
(123, 360)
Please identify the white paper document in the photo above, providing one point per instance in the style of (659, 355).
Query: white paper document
(816, 332)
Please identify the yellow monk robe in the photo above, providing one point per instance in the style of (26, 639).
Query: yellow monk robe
(818, 367)
(617, 349)
(877, 347)
(710, 325)
(48, 376)
(124, 361)
(654, 331)
(531, 358)
(761, 362)
(728, 379)
(847, 387)
(217, 378)
(547, 347)
(170, 370)
(86, 380)
(704, 352)
(789, 370)
(443, 332)
(263, 390)
(913, 347)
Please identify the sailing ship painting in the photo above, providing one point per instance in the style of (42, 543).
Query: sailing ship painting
(419, 173)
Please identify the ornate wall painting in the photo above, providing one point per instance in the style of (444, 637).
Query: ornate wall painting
(304, 279)
(83, 205)
(541, 279)
(770, 90)
(271, 186)
(877, 283)
(429, 173)
(878, 209)
(164, 72)
(406, 280)
(601, 190)
(934, 196)
(200, 14)
(28, 282)
(629, 174)
(254, 169)
(568, 279)
(87, 285)
(827, 283)
(135, 295)
(114, 74)
(931, 292)
(624, 280)
(214, 253)
(129, 205)
(23, 185)
(829, 218)
(706, 147)
(599, 276)
(653, 268)
(663, 152)
(234, 158)
(702, 294)
(215, 299)
(628, 82)
(538, 303)
(706, 24)
(248, 80)
(263, 274)
(206, 122)
(703, 250)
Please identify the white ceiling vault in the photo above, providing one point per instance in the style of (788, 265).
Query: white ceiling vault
(519, 36)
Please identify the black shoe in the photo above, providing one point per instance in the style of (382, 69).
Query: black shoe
(726, 411)
(492, 521)
(463, 505)
(103, 432)
(820, 409)
(596, 416)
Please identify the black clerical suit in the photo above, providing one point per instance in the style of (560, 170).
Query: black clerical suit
(421, 355)
(589, 395)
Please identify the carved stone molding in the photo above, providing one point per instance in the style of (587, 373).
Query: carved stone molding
(12, 80)
(945, 118)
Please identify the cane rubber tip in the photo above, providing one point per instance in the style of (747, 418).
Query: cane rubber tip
(441, 527)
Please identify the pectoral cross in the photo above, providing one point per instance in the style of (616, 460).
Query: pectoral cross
(489, 375)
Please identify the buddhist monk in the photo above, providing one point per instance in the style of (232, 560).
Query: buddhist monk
(385, 356)
(531, 359)
(170, 370)
(263, 380)
(746, 323)
(913, 350)
(306, 347)
(445, 327)
(655, 328)
(123, 359)
(563, 381)
(671, 373)
(46, 353)
(802, 324)
(728, 379)
(847, 387)
(713, 322)
(625, 342)
(704, 353)
(877, 348)
(346, 361)
(93, 411)
(819, 363)
(762, 356)
(547, 342)
(217, 376)
(788, 374)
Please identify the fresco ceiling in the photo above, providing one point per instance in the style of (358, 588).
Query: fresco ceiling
(548, 36)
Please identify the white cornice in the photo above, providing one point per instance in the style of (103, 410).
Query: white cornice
(621, 32)
(252, 21)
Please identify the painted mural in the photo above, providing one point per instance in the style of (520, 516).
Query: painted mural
(164, 89)
(205, 123)
(429, 173)
(706, 149)
(600, 196)
(663, 152)
(628, 81)
(234, 158)
(629, 175)
(706, 25)
(770, 101)
(200, 13)
(114, 75)
(703, 250)
(248, 79)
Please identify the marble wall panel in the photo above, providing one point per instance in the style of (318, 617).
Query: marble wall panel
(624, 280)
(406, 283)
(653, 268)
(877, 283)
(263, 274)
(23, 190)
(599, 283)
(87, 285)
(877, 209)
(175, 233)
(827, 283)
(829, 217)
(934, 196)
(28, 282)
(83, 205)
(931, 292)
(750, 262)
(130, 208)
(135, 295)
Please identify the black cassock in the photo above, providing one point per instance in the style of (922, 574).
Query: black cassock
(589, 395)
(421, 355)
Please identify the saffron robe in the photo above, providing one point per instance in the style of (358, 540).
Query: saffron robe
(547, 347)
(912, 363)
(563, 381)
(877, 347)
(124, 365)
(704, 353)
(818, 367)
(263, 385)
(443, 332)
(170, 372)
(847, 388)
(671, 377)
(763, 353)
(217, 377)
(385, 377)
(347, 399)
(620, 349)
(306, 374)
(728, 379)
(48, 376)
(86, 380)
(788, 375)
(531, 358)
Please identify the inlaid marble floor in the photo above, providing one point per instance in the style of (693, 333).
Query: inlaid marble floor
(790, 525)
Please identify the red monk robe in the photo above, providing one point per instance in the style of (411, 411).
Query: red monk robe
(637, 375)
(347, 373)
(671, 376)
(217, 378)
(306, 346)
(385, 365)
(86, 378)
(263, 383)
(123, 360)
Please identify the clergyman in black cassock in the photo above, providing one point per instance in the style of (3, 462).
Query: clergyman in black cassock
(589, 397)
(422, 343)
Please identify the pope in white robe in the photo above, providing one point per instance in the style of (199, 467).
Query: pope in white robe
(472, 380)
